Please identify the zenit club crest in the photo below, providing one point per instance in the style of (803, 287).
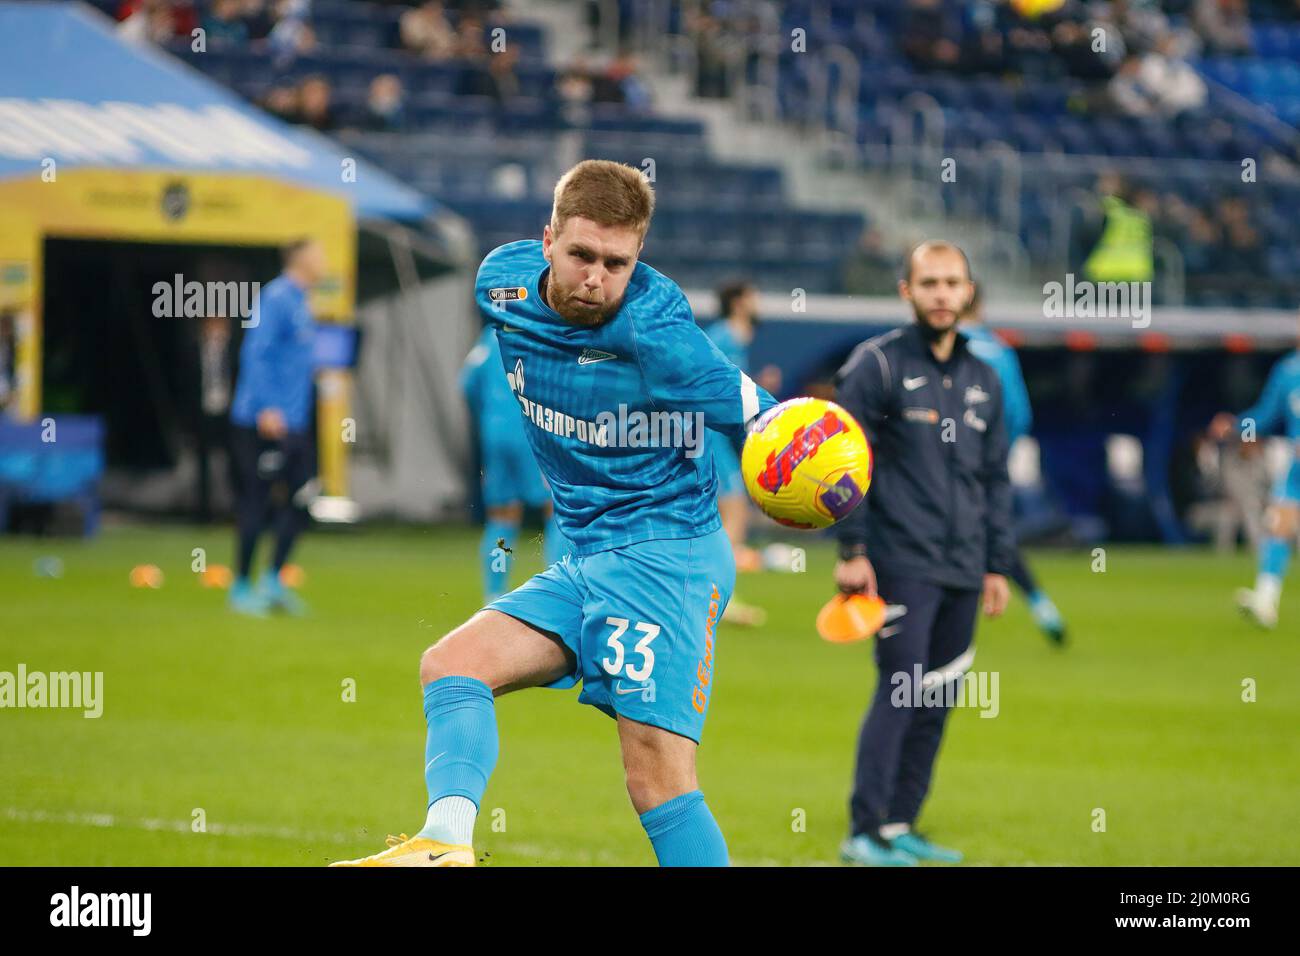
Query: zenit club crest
(508, 295)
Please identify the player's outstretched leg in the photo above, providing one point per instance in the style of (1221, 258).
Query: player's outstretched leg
(1261, 603)
(660, 769)
(490, 654)
(1046, 615)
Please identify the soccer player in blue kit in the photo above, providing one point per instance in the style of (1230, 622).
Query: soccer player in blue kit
(615, 381)
(986, 345)
(1278, 408)
(732, 333)
(511, 478)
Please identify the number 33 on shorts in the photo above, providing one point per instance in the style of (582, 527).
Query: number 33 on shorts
(618, 664)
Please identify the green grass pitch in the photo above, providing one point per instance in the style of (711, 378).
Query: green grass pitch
(245, 721)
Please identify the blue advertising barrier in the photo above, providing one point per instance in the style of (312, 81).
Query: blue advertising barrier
(50, 461)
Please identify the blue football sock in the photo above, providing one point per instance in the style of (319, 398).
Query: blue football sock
(496, 563)
(459, 754)
(684, 833)
(554, 544)
(1274, 556)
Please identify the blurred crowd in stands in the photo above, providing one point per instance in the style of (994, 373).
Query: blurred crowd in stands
(1132, 51)
(1135, 52)
(1111, 67)
(279, 24)
(454, 33)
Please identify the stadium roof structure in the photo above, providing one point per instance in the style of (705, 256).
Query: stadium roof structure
(73, 91)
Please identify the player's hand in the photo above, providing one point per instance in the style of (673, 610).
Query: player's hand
(270, 424)
(1221, 425)
(996, 594)
(855, 576)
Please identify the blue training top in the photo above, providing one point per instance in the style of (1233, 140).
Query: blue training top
(727, 343)
(276, 361)
(487, 391)
(1016, 411)
(1278, 408)
(614, 412)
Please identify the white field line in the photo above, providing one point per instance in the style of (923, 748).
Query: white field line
(254, 830)
(108, 820)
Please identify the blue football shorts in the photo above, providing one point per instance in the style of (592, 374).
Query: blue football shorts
(510, 475)
(727, 464)
(641, 622)
(1287, 489)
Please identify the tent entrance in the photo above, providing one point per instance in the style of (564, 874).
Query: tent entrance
(114, 346)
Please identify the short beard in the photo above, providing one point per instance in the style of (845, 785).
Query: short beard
(587, 318)
(928, 331)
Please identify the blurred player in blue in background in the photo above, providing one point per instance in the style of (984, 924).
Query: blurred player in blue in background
(732, 333)
(271, 419)
(511, 478)
(1278, 409)
(1019, 417)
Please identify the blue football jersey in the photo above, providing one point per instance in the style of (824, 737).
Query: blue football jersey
(1015, 396)
(615, 413)
(487, 392)
(1278, 408)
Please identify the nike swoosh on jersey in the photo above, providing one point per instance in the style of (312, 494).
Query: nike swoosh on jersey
(912, 384)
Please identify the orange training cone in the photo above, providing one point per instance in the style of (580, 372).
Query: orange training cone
(850, 617)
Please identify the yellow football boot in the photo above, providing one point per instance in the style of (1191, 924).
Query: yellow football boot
(415, 851)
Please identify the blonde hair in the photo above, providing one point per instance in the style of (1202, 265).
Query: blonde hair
(607, 193)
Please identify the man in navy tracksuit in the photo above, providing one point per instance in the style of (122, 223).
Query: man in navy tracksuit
(271, 419)
(934, 534)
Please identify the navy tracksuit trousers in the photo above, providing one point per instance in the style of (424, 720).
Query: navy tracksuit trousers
(897, 745)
